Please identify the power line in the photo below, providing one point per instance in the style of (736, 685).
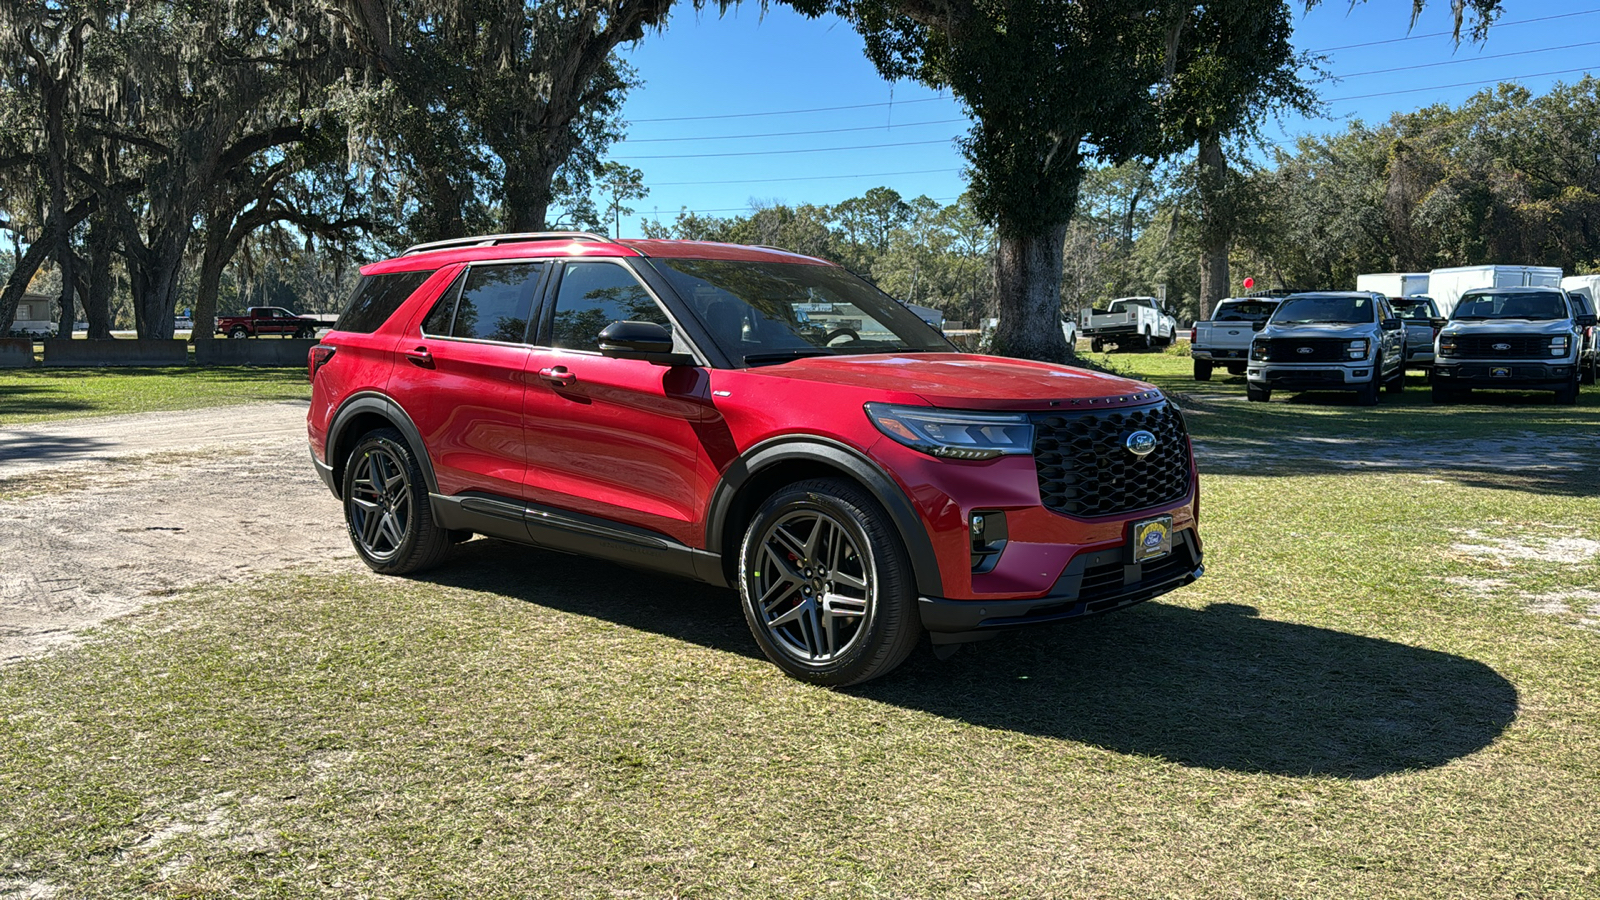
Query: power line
(1418, 37)
(731, 137)
(805, 178)
(699, 212)
(1441, 87)
(794, 112)
(1457, 62)
(776, 152)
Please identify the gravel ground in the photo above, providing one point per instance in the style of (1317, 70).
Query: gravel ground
(100, 516)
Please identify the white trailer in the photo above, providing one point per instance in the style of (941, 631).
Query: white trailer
(1588, 285)
(1446, 286)
(1394, 284)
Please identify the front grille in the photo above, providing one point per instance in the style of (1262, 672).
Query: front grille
(1288, 350)
(1106, 584)
(1517, 346)
(1086, 470)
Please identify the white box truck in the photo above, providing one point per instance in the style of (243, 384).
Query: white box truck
(1446, 286)
(1587, 285)
(1394, 284)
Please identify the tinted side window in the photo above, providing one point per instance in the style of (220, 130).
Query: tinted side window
(444, 310)
(376, 298)
(495, 301)
(592, 296)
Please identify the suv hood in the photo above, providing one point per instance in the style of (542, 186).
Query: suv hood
(1509, 326)
(969, 381)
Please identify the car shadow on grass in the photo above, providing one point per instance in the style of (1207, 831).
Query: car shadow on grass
(1217, 688)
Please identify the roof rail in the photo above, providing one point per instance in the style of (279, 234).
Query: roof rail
(493, 240)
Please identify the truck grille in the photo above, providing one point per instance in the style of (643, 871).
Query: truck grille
(1288, 350)
(1086, 470)
(1517, 346)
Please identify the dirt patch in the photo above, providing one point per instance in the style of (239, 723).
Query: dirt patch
(111, 513)
(1560, 550)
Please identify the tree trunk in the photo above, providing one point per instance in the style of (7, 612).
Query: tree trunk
(155, 275)
(1028, 293)
(525, 193)
(1216, 223)
(97, 292)
(212, 262)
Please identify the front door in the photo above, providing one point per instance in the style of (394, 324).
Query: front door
(613, 438)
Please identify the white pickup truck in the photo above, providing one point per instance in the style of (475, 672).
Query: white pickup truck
(1136, 321)
(1224, 339)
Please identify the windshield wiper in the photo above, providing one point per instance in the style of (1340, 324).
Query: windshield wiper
(783, 355)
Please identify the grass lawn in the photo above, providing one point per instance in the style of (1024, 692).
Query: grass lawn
(1387, 685)
(38, 395)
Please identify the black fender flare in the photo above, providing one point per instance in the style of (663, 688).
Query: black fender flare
(837, 455)
(382, 405)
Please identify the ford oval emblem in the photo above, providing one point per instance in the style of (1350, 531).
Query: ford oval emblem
(1140, 443)
(1302, 350)
(1502, 346)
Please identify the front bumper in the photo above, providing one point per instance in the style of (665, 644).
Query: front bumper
(1093, 582)
(1311, 376)
(1506, 373)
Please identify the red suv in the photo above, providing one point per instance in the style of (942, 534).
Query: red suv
(745, 417)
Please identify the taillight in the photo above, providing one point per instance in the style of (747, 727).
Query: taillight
(1192, 333)
(319, 356)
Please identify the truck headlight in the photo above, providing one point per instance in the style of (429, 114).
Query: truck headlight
(1258, 350)
(954, 434)
(1558, 345)
(1447, 345)
(1358, 348)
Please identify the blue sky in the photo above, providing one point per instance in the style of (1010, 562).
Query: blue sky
(781, 108)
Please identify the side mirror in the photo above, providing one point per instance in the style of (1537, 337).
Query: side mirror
(641, 340)
(1584, 321)
(1391, 324)
(1258, 324)
(1438, 323)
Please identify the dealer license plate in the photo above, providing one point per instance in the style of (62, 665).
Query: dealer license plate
(1152, 538)
(1500, 372)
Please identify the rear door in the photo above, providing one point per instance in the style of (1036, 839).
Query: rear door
(616, 439)
(461, 374)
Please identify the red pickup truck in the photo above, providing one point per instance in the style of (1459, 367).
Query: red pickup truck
(267, 320)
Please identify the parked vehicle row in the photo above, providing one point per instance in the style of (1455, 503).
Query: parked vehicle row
(1523, 338)
(1129, 322)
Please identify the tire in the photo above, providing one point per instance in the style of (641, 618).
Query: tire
(1591, 370)
(1567, 394)
(239, 332)
(1236, 370)
(828, 538)
(1444, 395)
(1202, 370)
(1397, 384)
(1257, 394)
(1367, 394)
(1097, 345)
(391, 525)
(305, 333)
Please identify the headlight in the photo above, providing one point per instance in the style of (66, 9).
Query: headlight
(1447, 345)
(954, 434)
(1358, 349)
(1258, 350)
(1558, 345)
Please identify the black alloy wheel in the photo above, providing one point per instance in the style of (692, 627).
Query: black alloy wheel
(826, 584)
(386, 507)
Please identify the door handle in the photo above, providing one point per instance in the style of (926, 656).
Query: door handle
(558, 376)
(420, 357)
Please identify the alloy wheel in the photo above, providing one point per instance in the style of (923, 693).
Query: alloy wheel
(380, 503)
(812, 586)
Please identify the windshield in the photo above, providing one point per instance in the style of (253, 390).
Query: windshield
(1244, 311)
(1521, 305)
(770, 312)
(1413, 308)
(1332, 310)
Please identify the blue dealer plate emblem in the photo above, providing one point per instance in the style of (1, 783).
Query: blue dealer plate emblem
(1152, 538)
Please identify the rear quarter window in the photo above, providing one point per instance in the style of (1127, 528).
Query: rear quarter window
(375, 299)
